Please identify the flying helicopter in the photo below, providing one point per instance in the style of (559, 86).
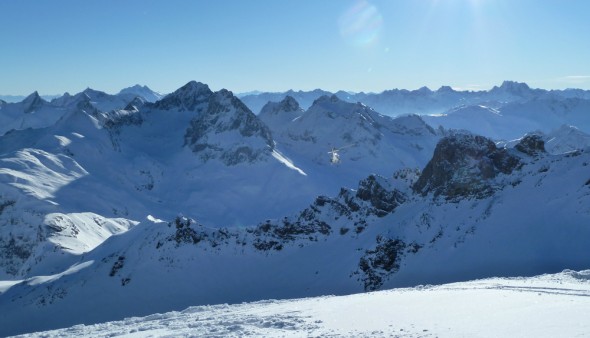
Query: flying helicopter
(335, 156)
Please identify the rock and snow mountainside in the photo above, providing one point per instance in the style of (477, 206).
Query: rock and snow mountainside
(198, 152)
(364, 140)
(495, 307)
(32, 112)
(467, 215)
(276, 115)
(35, 112)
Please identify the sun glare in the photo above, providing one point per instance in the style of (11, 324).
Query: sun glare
(361, 24)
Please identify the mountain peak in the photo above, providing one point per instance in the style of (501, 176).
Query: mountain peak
(142, 91)
(445, 89)
(326, 98)
(32, 102)
(287, 105)
(33, 96)
(424, 90)
(187, 97)
(512, 87)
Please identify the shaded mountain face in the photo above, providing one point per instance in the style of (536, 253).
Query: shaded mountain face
(226, 117)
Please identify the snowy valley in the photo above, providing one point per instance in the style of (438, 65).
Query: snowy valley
(114, 206)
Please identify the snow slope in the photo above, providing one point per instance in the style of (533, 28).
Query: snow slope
(466, 216)
(514, 119)
(542, 306)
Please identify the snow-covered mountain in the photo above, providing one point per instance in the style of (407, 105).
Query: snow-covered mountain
(19, 98)
(195, 151)
(364, 141)
(514, 119)
(193, 199)
(564, 139)
(35, 112)
(32, 112)
(141, 91)
(465, 216)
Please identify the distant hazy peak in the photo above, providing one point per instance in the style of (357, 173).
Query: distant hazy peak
(288, 104)
(445, 89)
(326, 98)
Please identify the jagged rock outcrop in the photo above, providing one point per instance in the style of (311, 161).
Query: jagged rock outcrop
(463, 165)
(378, 263)
(381, 196)
(531, 145)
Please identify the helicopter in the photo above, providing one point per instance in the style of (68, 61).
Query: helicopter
(335, 156)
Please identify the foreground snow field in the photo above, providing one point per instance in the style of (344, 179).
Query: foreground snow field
(556, 305)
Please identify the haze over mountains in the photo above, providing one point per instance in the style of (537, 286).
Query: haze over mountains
(146, 203)
(423, 101)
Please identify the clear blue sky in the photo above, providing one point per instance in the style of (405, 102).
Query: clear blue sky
(274, 45)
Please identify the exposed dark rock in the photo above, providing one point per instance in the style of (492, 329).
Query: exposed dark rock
(118, 265)
(6, 204)
(382, 200)
(185, 233)
(531, 145)
(463, 165)
(376, 264)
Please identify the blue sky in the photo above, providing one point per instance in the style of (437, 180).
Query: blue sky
(274, 45)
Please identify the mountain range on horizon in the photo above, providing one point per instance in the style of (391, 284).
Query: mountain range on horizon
(386, 102)
(147, 203)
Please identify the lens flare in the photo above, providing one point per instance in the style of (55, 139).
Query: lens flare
(361, 24)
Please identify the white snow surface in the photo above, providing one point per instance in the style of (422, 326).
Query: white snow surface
(550, 305)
